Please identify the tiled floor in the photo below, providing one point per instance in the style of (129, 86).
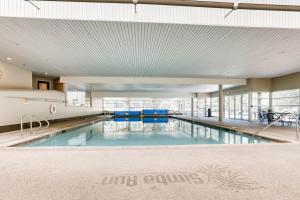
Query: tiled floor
(275, 132)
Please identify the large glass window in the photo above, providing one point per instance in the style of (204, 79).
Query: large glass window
(237, 106)
(187, 107)
(227, 104)
(286, 101)
(195, 108)
(113, 104)
(207, 105)
(78, 98)
(201, 107)
(134, 104)
(231, 107)
(97, 102)
(245, 106)
(215, 106)
(260, 102)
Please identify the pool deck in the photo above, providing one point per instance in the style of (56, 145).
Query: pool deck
(229, 172)
(207, 172)
(14, 138)
(277, 132)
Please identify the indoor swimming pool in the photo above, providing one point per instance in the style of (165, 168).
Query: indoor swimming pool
(145, 132)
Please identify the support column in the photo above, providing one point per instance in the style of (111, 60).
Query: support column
(65, 90)
(91, 99)
(221, 103)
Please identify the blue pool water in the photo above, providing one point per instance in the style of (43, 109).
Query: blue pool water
(149, 131)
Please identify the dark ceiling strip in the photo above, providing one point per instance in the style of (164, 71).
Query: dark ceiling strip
(271, 7)
(206, 4)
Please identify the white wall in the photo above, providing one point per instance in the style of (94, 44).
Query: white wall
(288, 82)
(12, 77)
(11, 109)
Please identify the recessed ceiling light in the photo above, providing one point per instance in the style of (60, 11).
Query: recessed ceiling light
(46, 73)
(9, 58)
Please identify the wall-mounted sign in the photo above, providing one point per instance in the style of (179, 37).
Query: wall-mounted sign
(43, 85)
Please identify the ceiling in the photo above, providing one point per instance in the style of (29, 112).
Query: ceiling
(227, 4)
(98, 48)
(188, 88)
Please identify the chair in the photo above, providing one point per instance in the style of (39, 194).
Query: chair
(262, 117)
(276, 118)
(291, 119)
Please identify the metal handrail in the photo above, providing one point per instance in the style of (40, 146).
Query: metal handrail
(37, 120)
(30, 122)
(22, 128)
(281, 117)
(43, 119)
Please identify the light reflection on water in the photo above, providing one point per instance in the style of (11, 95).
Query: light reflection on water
(150, 131)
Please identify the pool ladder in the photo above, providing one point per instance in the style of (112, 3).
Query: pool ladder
(31, 120)
(279, 119)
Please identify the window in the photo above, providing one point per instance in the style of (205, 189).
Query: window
(78, 98)
(231, 107)
(201, 107)
(245, 106)
(148, 104)
(215, 106)
(134, 104)
(286, 101)
(260, 102)
(187, 107)
(227, 104)
(97, 102)
(207, 104)
(237, 106)
(195, 106)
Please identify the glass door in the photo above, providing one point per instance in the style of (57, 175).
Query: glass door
(238, 108)
(245, 106)
(227, 106)
(231, 107)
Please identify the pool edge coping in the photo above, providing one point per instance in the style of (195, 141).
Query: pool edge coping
(274, 141)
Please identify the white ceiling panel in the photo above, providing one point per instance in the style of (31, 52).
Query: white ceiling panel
(97, 48)
(186, 88)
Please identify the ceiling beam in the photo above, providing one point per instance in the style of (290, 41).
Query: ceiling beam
(151, 80)
(207, 4)
(191, 3)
